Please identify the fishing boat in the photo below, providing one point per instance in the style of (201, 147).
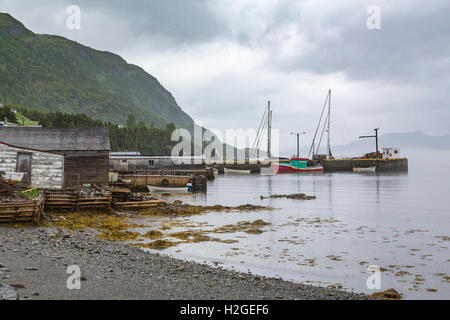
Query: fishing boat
(365, 170)
(236, 171)
(160, 189)
(295, 165)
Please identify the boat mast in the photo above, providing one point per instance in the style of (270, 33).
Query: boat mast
(269, 130)
(329, 114)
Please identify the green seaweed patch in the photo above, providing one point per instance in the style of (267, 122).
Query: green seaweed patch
(153, 234)
(157, 244)
(177, 209)
(390, 294)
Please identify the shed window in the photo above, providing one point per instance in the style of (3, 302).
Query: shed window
(151, 163)
(396, 151)
(123, 161)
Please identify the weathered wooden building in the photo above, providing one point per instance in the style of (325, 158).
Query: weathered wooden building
(131, 162)
(39, 169)
(85, 150)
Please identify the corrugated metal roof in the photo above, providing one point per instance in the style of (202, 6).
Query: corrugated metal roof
(57, 139)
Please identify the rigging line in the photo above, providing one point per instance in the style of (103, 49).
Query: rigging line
(257, 135)
(258, 132)
(321, 136)
(258, 138)
(261, 136)
(318, 125)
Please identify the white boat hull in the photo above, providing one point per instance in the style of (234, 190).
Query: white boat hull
(167, 189)
(365, 170)
(236, 171)
(267, 171)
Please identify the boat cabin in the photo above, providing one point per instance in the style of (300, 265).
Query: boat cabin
(391, 153)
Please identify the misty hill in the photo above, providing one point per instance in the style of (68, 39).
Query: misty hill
(52, 73)
(404, 141)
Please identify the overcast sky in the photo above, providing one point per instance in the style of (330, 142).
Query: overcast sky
(222, 60)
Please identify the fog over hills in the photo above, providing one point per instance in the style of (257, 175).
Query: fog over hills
(405, 141)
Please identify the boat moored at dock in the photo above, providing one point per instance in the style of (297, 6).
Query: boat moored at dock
(365, 170)
(295, 165)
(161, 189)
(236, 171)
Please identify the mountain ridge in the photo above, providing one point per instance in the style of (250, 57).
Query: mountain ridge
(52, 73)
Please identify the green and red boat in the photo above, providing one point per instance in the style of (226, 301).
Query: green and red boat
(295, 165)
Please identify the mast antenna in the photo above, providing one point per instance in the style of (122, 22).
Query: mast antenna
(329, 117)
(269, 131)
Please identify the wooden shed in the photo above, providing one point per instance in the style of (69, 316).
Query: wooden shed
(85, 150)
(38, 169)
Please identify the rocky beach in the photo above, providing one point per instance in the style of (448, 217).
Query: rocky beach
(34, 262)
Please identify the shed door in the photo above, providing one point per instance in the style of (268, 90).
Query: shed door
(24, 165)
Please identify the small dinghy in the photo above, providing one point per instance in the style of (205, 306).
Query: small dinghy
(235, 171)
(365, 170)
(161, 189)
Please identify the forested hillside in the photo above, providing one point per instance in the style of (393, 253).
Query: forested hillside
(55, 74)
(134, 135)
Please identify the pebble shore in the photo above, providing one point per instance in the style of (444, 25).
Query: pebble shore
(34, 262)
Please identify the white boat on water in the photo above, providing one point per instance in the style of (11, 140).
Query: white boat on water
(236, 171)
(160, 189)
(365, 170)
(267, 171)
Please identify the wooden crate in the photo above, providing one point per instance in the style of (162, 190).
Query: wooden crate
(22, 211)
(69, 200)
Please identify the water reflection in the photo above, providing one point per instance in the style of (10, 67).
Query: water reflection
(394, 220)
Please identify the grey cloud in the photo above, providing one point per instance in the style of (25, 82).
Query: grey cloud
(379, 76)
(175, 21)
(412, 44)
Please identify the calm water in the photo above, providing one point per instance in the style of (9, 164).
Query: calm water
(399, 222)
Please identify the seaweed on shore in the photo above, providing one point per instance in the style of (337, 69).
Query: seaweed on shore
(157, 244)
(177, 209)
(390, 294)
(110, 227)
(295, 196)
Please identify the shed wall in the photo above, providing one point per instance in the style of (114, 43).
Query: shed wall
(47, 169)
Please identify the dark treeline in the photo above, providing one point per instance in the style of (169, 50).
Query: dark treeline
(7, 113)
(148, 140)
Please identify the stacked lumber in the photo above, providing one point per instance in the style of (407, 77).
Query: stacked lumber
(94, 203)
(61, 200)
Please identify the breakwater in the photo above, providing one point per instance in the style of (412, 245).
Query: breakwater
(334, 165)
